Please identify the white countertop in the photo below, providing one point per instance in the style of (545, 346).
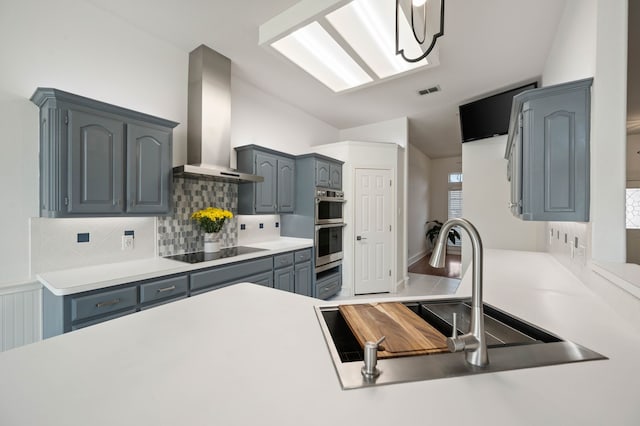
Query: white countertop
(76, 280)
(250, 355)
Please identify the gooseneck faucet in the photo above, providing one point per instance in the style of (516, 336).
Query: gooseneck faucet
(473, 343)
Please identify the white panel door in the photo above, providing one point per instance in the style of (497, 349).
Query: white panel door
(373, 231)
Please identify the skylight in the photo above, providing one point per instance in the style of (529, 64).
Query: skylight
(369, 28)
(315, 51)
(344, 44)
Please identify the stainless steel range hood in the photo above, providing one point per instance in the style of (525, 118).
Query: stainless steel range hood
(209, 119)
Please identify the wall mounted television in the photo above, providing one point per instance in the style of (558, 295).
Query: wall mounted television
(488, 117)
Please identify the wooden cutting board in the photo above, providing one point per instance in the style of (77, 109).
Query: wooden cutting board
(406, 333)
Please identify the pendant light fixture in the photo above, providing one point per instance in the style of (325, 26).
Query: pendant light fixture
(425, 19)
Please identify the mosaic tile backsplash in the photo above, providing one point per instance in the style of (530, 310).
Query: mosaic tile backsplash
(178, 233)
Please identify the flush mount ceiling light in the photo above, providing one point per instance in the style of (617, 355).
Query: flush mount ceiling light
(350, 43)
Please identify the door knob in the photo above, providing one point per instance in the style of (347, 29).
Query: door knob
(359, 238)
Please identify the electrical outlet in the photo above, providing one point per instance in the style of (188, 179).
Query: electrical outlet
(127, 242)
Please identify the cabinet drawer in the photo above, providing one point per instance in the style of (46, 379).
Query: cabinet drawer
(265, 279)
(329, 286)
(170, 287)
(103, 303)
(283, 260)
(303, 255)
(87, 323)
(230, 273)
(163, 302)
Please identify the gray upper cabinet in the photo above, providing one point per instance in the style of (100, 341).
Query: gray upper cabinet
(286, 185)
(277, 193)
(323, 174)
(548, 153)
(328, 172)
(95, 166)
(148, 169)
(266, 192)
(98, 159)
(335, 173)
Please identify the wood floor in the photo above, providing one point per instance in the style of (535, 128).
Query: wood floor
(452, 269)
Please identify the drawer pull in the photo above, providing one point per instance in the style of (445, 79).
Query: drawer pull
(162, 290)
(109, 303)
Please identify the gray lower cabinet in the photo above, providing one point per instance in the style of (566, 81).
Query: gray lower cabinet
(303, 280)
(277, 193)
(62, 314)
(97, 159)
(303, 273)
(158, 291)
(283, 279)
(328, 286)
(291, 271)
(548, 153)
(221, 276)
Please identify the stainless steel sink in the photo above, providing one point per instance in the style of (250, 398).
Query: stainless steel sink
(512, 344)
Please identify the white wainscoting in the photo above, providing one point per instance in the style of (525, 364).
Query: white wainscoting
(20, 315)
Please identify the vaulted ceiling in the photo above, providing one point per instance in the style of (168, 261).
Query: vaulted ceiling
(488, 46)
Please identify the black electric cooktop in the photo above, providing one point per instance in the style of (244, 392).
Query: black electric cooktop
(201, 256)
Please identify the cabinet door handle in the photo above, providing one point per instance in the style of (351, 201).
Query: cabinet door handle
(162, 290)
(109, 303)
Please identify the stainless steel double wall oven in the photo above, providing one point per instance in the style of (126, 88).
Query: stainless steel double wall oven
(329, 224)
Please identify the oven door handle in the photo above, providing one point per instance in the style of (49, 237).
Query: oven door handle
(331, 225)
(331, 200)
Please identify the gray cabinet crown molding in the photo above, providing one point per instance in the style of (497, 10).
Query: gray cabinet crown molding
(44, 94)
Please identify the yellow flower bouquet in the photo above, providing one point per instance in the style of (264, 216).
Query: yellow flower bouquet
(211, 219)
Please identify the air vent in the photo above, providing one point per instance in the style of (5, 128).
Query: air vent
(433, 89)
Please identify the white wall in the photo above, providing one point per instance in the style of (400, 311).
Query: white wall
(609, 134)
(486, 197)
(572, 53)
(391, 131)
(396, 131)
(261, 119)
(419, 187)
(591, 41)
(439, 183)
(365, 155)
(76, 47)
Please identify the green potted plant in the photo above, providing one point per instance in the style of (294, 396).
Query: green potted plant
(434, 231)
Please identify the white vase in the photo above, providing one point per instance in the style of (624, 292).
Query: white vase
(211, 242)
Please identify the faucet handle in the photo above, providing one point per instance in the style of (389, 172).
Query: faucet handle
(454, 332)
(454, 343)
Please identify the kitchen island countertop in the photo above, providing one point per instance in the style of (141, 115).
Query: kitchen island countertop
(249, 355)
(76, 280)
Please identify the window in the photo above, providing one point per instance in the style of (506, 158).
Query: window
(454, 202)
(455, 178)
(633, 208)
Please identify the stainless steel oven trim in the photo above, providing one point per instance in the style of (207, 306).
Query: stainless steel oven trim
(328, 266)
(323, 260)
(330, 200)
